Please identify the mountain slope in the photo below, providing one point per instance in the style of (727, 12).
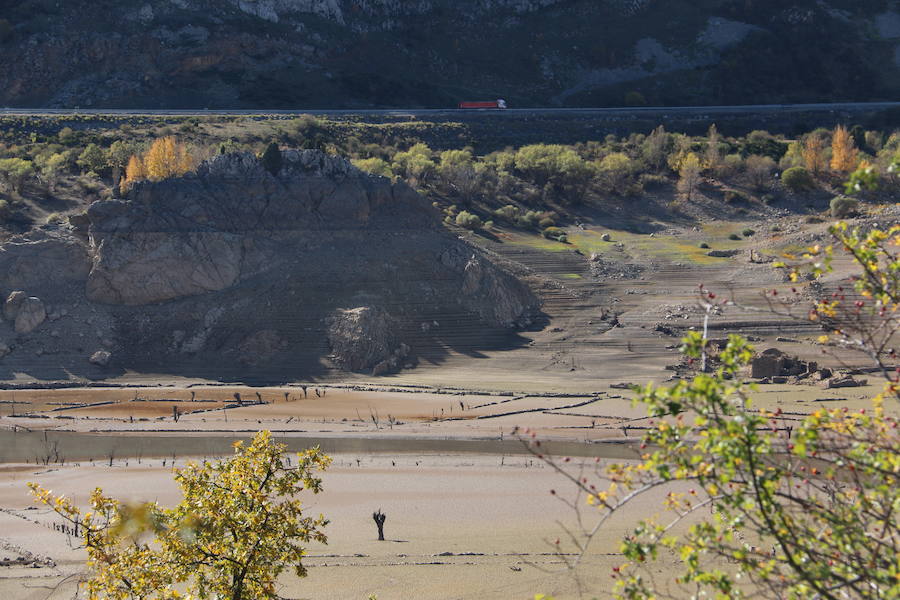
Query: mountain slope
(432, 53)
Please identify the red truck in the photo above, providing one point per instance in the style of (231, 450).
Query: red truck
(499, 103)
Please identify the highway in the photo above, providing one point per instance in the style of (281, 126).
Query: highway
(749, 109)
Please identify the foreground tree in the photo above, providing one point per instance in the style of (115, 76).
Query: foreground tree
(761, 504)
(237, 528)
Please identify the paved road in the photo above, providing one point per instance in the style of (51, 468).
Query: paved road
(511, 112)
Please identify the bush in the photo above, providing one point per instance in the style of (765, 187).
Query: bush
(797, 179)
(271, 158)
(554, 233)
(651, 180)
(509, 212)
(546, 222)
(67, 136)
(842, 206)
(731, 165)
(759, 170)
(15, 171)
(747, 232)
(92, 159)
(375, 166)
(704, 245)
(467, 220)
(734, 237)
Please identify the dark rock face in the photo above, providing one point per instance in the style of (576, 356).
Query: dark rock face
(365, 53)
(362, 337)
(235, 268)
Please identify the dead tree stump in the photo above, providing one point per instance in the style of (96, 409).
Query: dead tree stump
(379, 518)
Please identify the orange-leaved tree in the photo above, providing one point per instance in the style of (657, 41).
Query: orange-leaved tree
(844, 155)
(166, 158)
(813, 153)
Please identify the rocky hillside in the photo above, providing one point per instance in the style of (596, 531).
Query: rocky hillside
(432, 53)
(277, 276)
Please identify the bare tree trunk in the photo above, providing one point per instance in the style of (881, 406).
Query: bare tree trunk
(379, 518)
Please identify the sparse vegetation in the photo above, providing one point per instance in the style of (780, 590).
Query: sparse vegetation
(842, 206)
(797, 179)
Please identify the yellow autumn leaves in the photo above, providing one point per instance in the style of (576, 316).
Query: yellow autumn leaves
(165, 158)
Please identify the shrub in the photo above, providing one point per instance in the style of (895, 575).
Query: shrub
(375, 166)
(813, 220)
(67, 136)
(759, 170)
(509, 212)
(546, 222)
(616, 170)
(734, 237)
(651, 180)
(554, 233)
(15, 171)
(467, 220)
(842, 206)
(797, 179)
(271, 158)
(747, 232)
(92, 159)
(704, 245)
(731, 166)
(551, 163)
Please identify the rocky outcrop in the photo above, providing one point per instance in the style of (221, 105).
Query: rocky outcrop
(13, 303)
(100, 358)
(31, 260)
(361, 338)
(30, 314)
(233, 269)
(495, 295)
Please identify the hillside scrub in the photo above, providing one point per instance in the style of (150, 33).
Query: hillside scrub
(38, 160)
(758, 503)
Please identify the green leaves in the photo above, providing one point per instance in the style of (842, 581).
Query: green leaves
(237, 528)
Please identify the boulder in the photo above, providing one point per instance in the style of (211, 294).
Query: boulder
(100, 358)
(30, 315)
(12, 304)
(843, 381)
(361, 338)
(723, 253)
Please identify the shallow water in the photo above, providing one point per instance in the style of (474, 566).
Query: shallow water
(64, 446)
